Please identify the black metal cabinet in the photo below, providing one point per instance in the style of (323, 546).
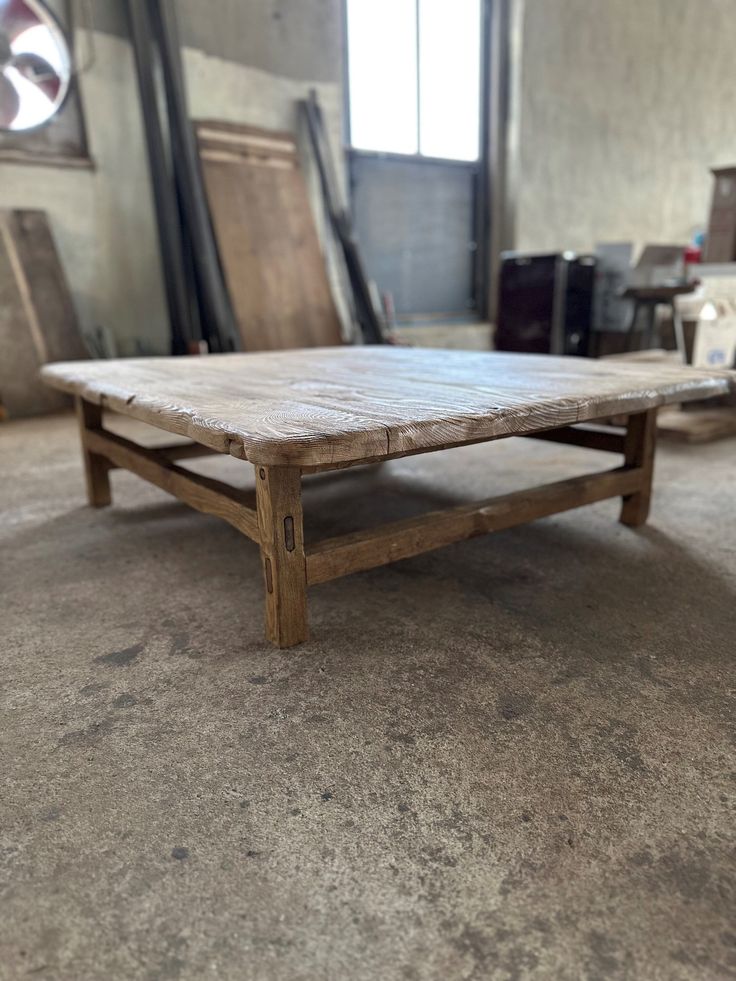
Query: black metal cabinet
(546, 303)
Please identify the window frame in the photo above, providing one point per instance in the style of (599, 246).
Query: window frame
(483, 101)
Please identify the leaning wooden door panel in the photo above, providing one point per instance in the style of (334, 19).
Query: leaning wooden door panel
(265, 233)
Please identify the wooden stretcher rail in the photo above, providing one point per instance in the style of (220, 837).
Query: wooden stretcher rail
(362, 550)
(202, 493)
(172, 451)
(185, 451)
(591, 438)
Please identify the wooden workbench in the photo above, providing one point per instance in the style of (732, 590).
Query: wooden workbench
(291, 413)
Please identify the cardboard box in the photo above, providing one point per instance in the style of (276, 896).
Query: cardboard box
(715, 335)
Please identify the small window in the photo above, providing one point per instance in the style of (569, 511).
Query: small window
(414, 76)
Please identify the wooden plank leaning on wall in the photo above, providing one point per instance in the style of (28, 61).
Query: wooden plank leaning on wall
(266, 237)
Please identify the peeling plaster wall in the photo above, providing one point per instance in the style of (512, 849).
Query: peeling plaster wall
(103, 218)
(626, 104)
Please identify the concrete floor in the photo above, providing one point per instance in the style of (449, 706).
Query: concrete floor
(509, 759)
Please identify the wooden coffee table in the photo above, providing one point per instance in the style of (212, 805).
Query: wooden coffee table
(291, 413)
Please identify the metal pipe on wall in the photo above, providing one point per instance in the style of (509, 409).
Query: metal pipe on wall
(197, 296)
(504, 91)
(183, 329)
(216, 314)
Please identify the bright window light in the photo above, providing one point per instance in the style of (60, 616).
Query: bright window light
(395, 108)
(383, 75)
(449, 78)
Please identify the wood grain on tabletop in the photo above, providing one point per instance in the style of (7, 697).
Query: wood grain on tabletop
(327, 405)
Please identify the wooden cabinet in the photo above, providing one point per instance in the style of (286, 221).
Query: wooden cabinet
(720, 245)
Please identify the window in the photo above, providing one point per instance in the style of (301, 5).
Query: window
(414, 76)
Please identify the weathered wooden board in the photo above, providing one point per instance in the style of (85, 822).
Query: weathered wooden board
(362, 550)
(326, 406)
(266, 236)
(37, 319)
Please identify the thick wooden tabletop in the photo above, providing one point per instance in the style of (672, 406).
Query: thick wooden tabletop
(336, 405)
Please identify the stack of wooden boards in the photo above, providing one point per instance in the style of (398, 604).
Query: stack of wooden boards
(37, 319)
(266, 237)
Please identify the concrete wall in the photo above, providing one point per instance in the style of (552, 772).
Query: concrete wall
(625, 106)
(295, 39)
(244, 62)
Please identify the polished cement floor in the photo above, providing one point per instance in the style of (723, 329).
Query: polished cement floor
(509, 759)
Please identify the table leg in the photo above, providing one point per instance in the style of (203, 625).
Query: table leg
(679, 332)
(650, 339)
(96, 469)
(278, 494)
(631, 333)
(639, 445)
